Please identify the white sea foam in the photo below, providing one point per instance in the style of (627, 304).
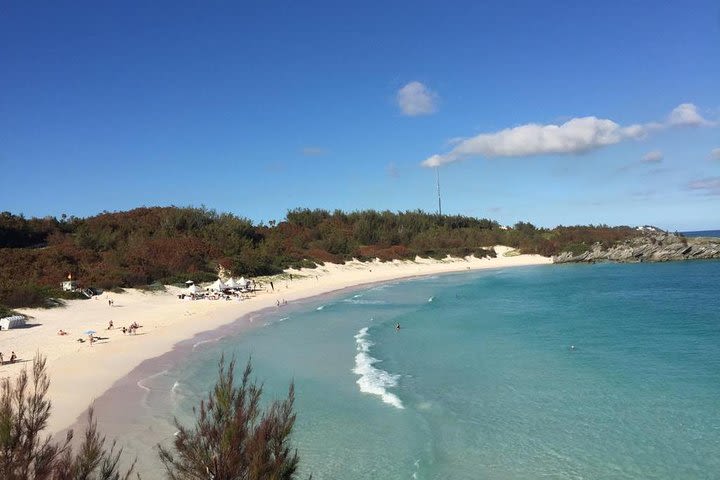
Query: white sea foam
(431, 299)
(283, 319)
(358, 295)
(373, 380)
(141, 382)
(146, 389)
(210, 340)
(320, 307)
(356, 301)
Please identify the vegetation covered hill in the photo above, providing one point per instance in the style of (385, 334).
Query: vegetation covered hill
(171, 244)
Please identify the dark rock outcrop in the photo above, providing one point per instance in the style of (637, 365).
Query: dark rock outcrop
(648, 247)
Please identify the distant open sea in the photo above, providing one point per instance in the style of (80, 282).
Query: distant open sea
(482, 381)
(703, 233)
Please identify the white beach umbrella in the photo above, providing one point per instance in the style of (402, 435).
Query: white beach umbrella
(193, 289)
(218, 286)
(231, 283)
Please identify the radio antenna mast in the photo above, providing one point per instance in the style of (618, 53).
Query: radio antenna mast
(437, 174)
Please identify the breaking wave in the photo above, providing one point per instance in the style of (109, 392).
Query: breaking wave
(373, 380)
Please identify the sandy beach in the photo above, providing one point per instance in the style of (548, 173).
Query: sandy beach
(81, 372)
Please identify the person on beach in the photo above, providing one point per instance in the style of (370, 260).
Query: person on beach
(124, 330)
(13, 357)
(278, 302)
(2, 360)
(110, 325)
(272, 286)
(62, 332)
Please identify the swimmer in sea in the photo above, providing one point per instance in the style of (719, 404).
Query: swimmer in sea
(397, 326)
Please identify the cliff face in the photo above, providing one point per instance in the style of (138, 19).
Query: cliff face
(650, 247)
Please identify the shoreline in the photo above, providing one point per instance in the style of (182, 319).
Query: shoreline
(116, 410)
(81, 374)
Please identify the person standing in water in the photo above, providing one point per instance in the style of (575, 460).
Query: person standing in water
(397, 327)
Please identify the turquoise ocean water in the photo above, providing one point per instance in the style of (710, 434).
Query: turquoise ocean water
(481, 382)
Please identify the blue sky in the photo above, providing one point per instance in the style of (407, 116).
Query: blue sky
(555, 113)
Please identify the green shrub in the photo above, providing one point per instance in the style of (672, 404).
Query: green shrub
(26, 455)
(304, 263)
(576, 248)
(485, 252)
(197, 277)
(6, 312)
(153, 287)
(233, 436)
(66, 295)
(25, 295)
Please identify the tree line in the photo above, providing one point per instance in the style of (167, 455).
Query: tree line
(172, 244)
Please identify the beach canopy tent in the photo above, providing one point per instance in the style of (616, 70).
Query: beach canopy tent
(242, 282)
(193, 289)
(218, 286)
(231, 283)
(16, 321)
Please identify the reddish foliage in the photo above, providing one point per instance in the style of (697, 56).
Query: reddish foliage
(165, 243)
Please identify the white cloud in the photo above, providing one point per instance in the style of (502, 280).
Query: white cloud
(715, 154)
(454, 141)
(416, 99)
(574, 136)
(656, 156)
(313, 151)
(709, 185)
(577, 135)
(686, 114)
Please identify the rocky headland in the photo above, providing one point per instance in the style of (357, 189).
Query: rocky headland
(648, 247)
